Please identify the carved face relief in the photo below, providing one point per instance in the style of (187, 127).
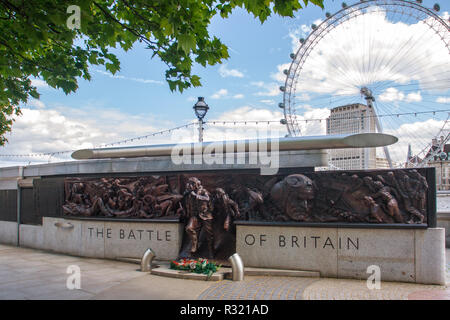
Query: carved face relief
(292, 195)
(302, 185)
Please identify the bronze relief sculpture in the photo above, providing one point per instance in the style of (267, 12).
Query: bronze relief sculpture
(209, 203)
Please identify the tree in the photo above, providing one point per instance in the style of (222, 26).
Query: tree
(58, 40)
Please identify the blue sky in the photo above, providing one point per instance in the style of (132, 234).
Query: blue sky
(137, 100)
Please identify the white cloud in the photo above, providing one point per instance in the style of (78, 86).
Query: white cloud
(40, 84)
(313, 120)
(220, 94)
(279, 75)
(224, 94)
(443, 100)
(36, 103)
(304, 97)
(445, 15)
(271, 89)
(141, 80)
(237, 129)
(392, 94)
(414, 97)
(268, 101)
(65, 129)
(250, 113)
(225, 72)
(418, 134)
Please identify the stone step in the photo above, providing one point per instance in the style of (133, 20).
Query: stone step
(248, 271)
(162, 268)
(165, 271)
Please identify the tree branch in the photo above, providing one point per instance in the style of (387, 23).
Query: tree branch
(137, 34)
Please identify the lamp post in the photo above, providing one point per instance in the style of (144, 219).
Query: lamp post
(200, 109)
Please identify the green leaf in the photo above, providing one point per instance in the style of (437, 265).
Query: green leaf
(186, 42)
(195, 80)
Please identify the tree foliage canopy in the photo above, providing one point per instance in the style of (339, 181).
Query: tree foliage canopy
(35, 40)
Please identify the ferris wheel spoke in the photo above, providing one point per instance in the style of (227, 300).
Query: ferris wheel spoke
(384, 59)
(392, 127)
(395, 62)
(347, 65)
(421, 85)
(343, 80)
(340, 66)
(402, 50)
(403, 70)
(394, 83)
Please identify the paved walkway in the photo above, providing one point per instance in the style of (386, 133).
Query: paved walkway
(34, 274)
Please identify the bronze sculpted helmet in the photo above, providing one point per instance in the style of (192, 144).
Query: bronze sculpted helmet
(293, 196)
(302, 184)
(193, 183)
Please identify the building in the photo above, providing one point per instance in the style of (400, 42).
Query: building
(381, 163)
(353, 118)
(440, 159)
(412, 161)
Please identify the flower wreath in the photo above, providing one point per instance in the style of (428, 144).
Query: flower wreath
(201, 266)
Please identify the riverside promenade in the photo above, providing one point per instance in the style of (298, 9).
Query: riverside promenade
(29, 274)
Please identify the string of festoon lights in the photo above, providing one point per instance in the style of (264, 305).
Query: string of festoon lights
(103, 145)
(211, 123)
(268, 122)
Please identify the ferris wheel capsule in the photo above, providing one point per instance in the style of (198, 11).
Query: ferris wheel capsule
(281, 105)
(283, 88)
(285, 71)
(436, 7)
(302, 40)
(292, 55)
(283, 121)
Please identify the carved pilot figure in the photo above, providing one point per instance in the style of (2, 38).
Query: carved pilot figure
(227, 207)
(384, 193)
(409, 191)
(198, 210)
(420, 197)
(375, 210)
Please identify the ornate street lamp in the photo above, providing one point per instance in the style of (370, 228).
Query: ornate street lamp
(200, 108)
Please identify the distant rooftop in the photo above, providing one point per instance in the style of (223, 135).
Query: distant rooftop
(349, 107)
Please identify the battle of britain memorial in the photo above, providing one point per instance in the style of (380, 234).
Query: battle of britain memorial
(118, 202)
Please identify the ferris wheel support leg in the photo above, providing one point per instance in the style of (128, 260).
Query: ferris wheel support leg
(380, 130)
(370, 101)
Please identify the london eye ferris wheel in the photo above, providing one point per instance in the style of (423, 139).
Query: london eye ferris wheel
(392, 56)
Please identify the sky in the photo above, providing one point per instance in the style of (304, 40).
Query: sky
(137, 101)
